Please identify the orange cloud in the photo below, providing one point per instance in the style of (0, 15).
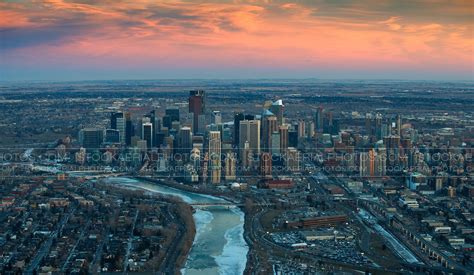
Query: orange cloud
(265, 34)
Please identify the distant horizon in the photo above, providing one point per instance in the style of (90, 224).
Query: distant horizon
(236, 79)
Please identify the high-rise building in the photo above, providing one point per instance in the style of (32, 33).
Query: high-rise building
(301, 129)
(113, 119)
(185, 140)
(173, 113)
(392, 144)
(319, 119)
(328, 122)
(147, 134)
(378, 126)
(292, 138)
(238, 117)
(215, 156)
(230, 166)
(196, 107)
(292, 159)
(284, 138)
(373, 162)
(128, 129)
(369, 129)
(112, 136)
(366, 164)
(380, 161)
(250, 132)
(399, 125)
(118, 122)
(201, 124)
(311, 130)
(275, 146)
(278, 109)
(195, 159)
(91, 138)
(269, 125)
(167, 121)
(216, 117)
(266, 165)
(246, 155)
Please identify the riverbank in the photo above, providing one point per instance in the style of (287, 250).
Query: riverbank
(175, 217)
(219, 246)
(187, 188)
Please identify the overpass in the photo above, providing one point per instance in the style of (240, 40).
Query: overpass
(215, 204)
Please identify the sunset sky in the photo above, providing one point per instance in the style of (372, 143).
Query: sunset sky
(114, 39)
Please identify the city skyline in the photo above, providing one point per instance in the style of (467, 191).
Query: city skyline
(93, 40)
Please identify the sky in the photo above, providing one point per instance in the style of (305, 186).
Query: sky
(326, 39)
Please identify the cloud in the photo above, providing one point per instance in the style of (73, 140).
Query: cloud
(392, 23)
(303, 35)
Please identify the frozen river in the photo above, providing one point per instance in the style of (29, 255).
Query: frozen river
(219, 246)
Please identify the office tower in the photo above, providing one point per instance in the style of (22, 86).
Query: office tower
(328, 122)
(380, 161)
(167, 121)
(230, 166)
(250, 132)
(227, 135)
(378, 126)
(275, 145)
(175, 125)
(301, 129)
(113, 119)
(112, 136)
(278, 109)
(292, 159)
(269, 125)
(237, 119)
(201, 124)
(266, 165)
(118, 122)
(142, 146)
(168, 146)
(335, 126)
(197, 107)
(91, 138)
(292, 138)
(128, 129)
(185, 140)
(311, 130)
(386, 129)
(319, 119)
(246, 155)
(121, 125)
(215, 156)
(173, 113)
(160, 138)
(399, 125)
(369, 129)
(283, 129)
(366, 164)
(195, 159)
(216, 117)
(147, 133)
(392, 144)
(205, 170)
(151, 118)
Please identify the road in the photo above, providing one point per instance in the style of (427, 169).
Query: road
(46, 246)
(129, 243)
